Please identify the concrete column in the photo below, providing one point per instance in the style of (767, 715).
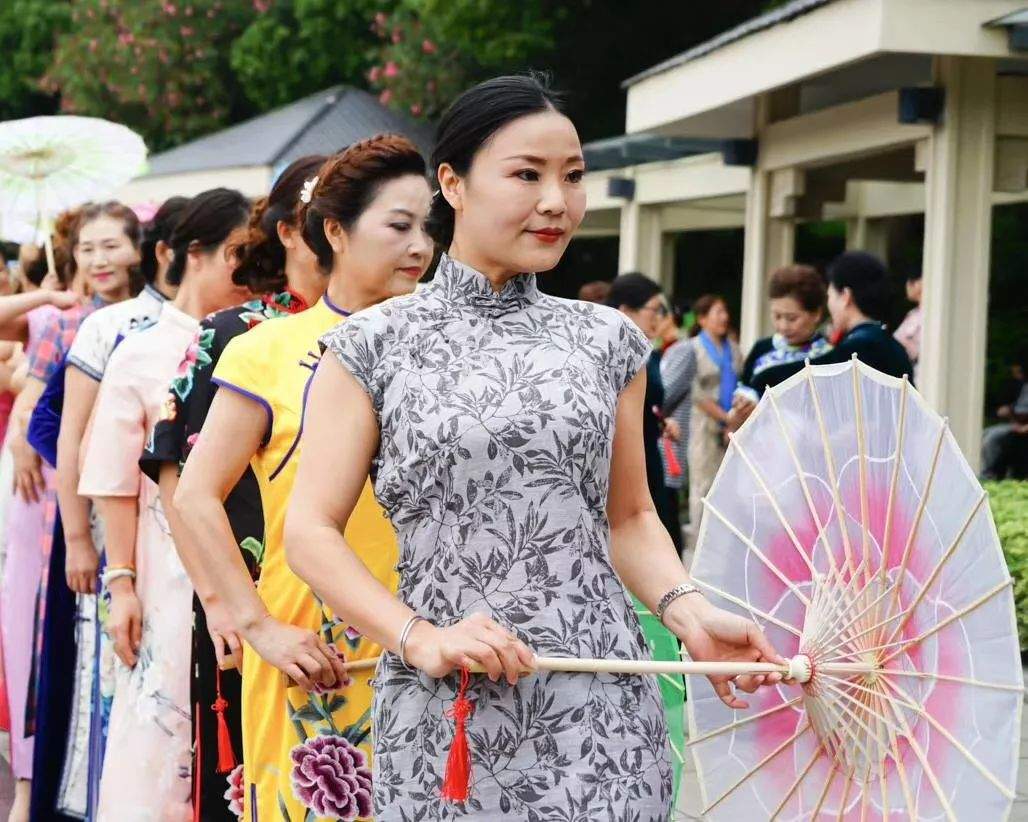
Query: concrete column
(769, 242)
(640, 240)
(958, 224)
(866, 234)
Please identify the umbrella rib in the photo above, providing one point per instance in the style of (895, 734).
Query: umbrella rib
(853, 716)
(796, 782)
(796, 735)
(921, 505)
(923, 759)
(963, 680)
(849, 640)
(854, 619)
(970, 757)
(909, 611)
(832, 773)
(915, 746)
(943, 623)
(801, 476)
(836, 608)
(846, 795)
(743, 604)
(830, 462)
(893, 482)
(740, 722)
(750, 544)
(861, 465)
(774, 505)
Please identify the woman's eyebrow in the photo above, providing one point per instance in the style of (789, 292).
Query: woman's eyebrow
(532, 158)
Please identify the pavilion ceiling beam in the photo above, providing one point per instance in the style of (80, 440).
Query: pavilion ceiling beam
(843, 132)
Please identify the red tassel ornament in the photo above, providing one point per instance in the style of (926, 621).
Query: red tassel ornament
(226, 756)
(457, 779)
(674, 467)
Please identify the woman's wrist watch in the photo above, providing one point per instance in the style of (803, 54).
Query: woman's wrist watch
(675, 593)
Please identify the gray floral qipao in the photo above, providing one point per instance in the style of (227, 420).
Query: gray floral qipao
(497, 414)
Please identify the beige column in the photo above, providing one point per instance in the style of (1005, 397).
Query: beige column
(958, 222)
(640, 240)
(769, 233)
(870, 235)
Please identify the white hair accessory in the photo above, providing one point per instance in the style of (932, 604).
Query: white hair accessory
(307, 192)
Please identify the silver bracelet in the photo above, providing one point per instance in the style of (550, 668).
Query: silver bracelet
(672, 595)
(405, 635)
(107, 577)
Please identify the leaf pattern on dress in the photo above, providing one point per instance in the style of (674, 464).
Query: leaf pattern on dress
(496, 412)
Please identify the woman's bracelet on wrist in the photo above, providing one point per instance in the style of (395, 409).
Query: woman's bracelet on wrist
(675, 593)
(405, 635)
(112, 574)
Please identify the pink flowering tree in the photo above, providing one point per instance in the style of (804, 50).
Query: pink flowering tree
(160, 67)
(430, 50)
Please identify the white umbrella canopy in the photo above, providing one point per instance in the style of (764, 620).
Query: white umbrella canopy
(846, 522)
(51, 164)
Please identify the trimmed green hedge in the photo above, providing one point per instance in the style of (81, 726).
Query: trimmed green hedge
(1009, 502)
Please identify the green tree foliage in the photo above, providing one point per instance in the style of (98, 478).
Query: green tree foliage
(302, 46)
(432, 49)
(160, 67)
(1009, 502)
(27, 31)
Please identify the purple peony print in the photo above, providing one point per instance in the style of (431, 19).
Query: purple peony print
(234, 794)
(332, 778)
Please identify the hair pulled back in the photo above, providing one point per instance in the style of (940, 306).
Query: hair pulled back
(89, 213)
(206, 222)
(469, 122)
(347, 183)
(260, 255)
(159, 230)
(633, 289)
(866, 277)
(702, 307)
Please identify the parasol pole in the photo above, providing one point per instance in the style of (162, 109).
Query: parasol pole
(48, 241)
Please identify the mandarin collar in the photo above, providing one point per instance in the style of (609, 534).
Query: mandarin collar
(462, 285)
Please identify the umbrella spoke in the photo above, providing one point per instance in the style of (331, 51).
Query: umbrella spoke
(796, 782)
(954, 616)
(865, 519)
(760, 555)
(830, 461)
(735, 786)
(785, 626)
(852, 637)
(970, 757)
(734, 443)
(832, 773)
(740, 722)
(919, 513)
(801, 476)
(963, 680)
(846, 795)
(909, 611)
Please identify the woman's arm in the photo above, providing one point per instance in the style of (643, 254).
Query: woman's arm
(28, 475)
(219, 623)
(712, 409)
(121, 517)
(82, 561)
(648, 564)
(333, 470)
(230, 436)
(14, 325)
(677, 370)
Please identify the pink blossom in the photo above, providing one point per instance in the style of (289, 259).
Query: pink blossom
(397, 36)
(170, 9)
(374, 73)
(261, 6)
(381, 18)
(93, 46)
(415, 109)
(391, 69)
(186, 31)
(385, 97)
(189, 11)
(428, 47)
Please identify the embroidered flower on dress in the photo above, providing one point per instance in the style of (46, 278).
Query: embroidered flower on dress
(331, 777)
(234, 794)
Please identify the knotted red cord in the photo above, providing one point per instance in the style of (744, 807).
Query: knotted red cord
(457, 779)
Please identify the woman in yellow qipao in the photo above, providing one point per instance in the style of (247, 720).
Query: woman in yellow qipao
(306, 749)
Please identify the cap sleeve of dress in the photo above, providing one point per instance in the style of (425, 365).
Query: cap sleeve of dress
(89, 351)
(631, 351)
(359, 344)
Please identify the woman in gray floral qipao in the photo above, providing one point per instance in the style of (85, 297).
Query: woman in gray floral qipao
(502, 430)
